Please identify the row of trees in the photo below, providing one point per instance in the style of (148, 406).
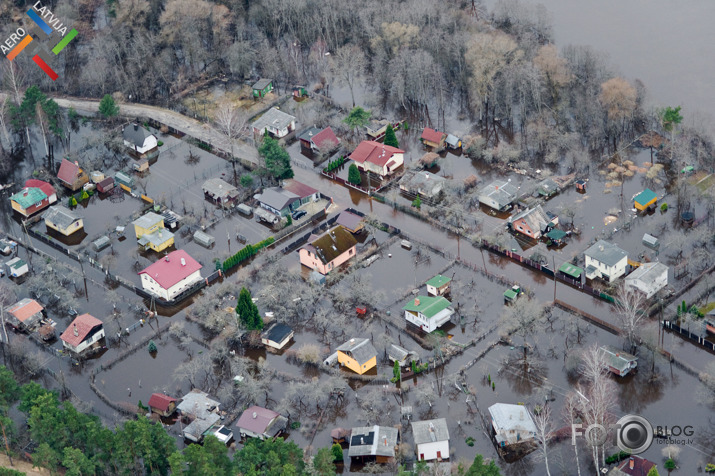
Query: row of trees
(245, 253)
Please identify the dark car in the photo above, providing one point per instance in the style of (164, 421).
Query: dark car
(298, 214)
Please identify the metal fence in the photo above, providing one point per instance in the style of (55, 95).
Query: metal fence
(697, 338)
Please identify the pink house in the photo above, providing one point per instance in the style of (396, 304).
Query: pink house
(329, 251)
(378, 158)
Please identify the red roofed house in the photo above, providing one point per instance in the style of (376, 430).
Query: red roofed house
(25, 314)
(633, 466)
(305, 192)
(433, 138)
(71, 175)
(85, 331)
(317, 140)
(171, 275)
(45, 187)
(259, 422)
(162, 404)
(378, 158)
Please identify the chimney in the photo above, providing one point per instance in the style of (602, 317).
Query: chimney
(362, 441)
(167, 258)
(631, 463)
(183, 262)
(255, 415)
(352, 341)
(385, 440)
(136, 127)
(75, 331)
(417, 301)
(76, 163)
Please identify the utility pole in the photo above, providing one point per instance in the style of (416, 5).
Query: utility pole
(553, 258)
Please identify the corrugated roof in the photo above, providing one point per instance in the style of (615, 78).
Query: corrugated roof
(571, 269)
(648, 272)
(512, 417)
(68, 172)
(160, 401)
(25, 309)
(438, 281)
(432, 135)
(645, 197)
(156, 238)
(535, 218)
(262, 83)
(60, 216)
(429, 306)
(606, 253)
(429, 431)
(168, 271)
(273, 118)
(148, 220)
(197, 403)
(28, 197)
(361, 350)
(84, 324)
(502, 192)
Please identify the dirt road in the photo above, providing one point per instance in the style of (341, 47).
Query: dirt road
(173, 119)
(22, 466)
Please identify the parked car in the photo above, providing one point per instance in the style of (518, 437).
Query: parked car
(299, 214)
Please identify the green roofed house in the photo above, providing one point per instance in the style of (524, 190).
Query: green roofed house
(438, 286)
(428, 312)
(617, 361)
(644, 200)
(511, 294)
(571, 270)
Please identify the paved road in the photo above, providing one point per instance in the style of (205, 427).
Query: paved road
(173, 119)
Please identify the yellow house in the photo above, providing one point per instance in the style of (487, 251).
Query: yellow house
(62, 220)
(151, 233)
(358, 355)
(645, 199)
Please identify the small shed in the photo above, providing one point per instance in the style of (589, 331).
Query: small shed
(453, 142)
(141, 166)
(580, 185)
(617, 361)
(17, 267)
(161, 404)
(203, 239)
(105, 185)
(96, 176)
(277, 336)
(438, 286)
(556, 236)
(651, 241)
(262, 87)
(299, 92)
(645, 200)
(101, 243)
(571, 270)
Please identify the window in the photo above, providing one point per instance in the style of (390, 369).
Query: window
(350, 251)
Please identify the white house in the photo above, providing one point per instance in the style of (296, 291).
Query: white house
(512, 424)
(139, 139)
(649, 278)
(17, 267)
(84, 331)
(605, 260)
(378, 158)
(277, 336)
(277, 123)
(431, 439)
(171, 275)
(428, 312)
(259, 422)
(498, 195)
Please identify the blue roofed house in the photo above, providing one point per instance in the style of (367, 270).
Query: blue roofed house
(605, 260)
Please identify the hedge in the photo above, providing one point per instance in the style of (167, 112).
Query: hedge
(245, 253)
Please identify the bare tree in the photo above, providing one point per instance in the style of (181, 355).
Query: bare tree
(542, 421)
(629, 307)
(571, 410)
(232, 123)
(522, 318)
(348, 66)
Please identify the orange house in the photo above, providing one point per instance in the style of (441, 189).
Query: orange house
(358, 355)
(328, 251)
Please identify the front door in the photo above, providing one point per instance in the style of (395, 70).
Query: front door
(439, 455)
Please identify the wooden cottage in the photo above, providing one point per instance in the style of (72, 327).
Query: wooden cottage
(433, 138)
(161, 404)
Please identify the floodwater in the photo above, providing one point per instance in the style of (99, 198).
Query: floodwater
(665, 45)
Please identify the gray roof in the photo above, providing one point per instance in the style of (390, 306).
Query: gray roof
(197, 403)
(500, 191)
(135, 134)
(277, 198)
(360, 349)
(647, 272)
(273, 118)
(148, 220)
(156, 238)
(548, 187)
(262, 83)
(277, 332)
(428, 431)
(309, 133)
(534, 217)
(200, 425)
(512, 417)
(423, 182)
(452, 140)
(395, 352)
(60, 216)
(373, 441)
(219, 188)
(349, 220)
(606, 253)
(617, 359)
(650, 240)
